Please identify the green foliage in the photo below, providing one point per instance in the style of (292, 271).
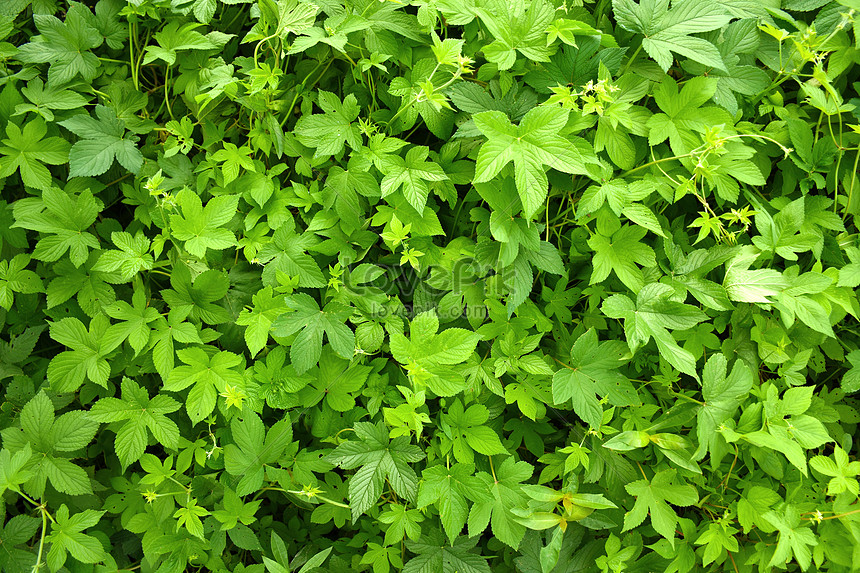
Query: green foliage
(448, 286)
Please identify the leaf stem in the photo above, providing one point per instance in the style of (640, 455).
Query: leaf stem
(38, 564)
(630, 61)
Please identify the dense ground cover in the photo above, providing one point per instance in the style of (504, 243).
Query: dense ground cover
(441, 285)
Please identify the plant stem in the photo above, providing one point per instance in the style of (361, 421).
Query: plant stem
(630, 61)
(38, 564)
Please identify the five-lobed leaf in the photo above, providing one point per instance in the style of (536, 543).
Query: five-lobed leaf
(377, 459)
(533, 144)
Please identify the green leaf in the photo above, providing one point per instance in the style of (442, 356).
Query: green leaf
(51, 439)
(451, 489)
(233, 160)
(411, 175)
(329, 131)
(851, 379)
(506, 491)
(87, 357)
(258, 320)
(620, 253)
(102, 141)
(201, 227)
(65, 45)
(138, 413)
(843, 472)
(429, 356)
(652, 316)
(287, 253)
(236, 511)
(593, 370)
(134, 320)
(401, 522)
(14, 277)
(653, 498)
(431, 554)
(668, 30)
(67, 537)
(27, 150)
(64, 220)
(531, 145)
(174, 37)
(131, 257)
(208, 375)
(516, 26)
(716, 538)
(793, 538)
(310, 323)
(378, 459)
(468, 432)
(754, 286)
(253, 449)
(13, 474)
(722, 395)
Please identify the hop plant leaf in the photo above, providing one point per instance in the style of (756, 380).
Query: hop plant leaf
(653, 498)
(140, 416)
(534, 143)
(668, 30)
(378, 459)
(103, 139)
(27, 151)
(311, 323)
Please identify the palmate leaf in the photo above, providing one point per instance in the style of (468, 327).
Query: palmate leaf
(430, 355)
(65, 45)
(794, 538)
(652, 316)
(469, 432)
(752, 286)
(573, 65)
(593, 370)
(67, 537)
(668, 30)
(329, 131)
(14, 277)
(517, 26)
(531, 145)
(174, 37)
(14, 536)
(653, 498)
(139, 415)
(722, 395)
(27, 151)
(87, 357)
(378, 459)
(258, 320)
(208, 375)
(412, 175)
(287, 253)
(451, 489)
(64, 218)
(433, 555)
(505, 489)
(272, 217)
(102, 140)
(343, 189)
(254, 448)
(621, 253)
(311, 323)
(51, 439)
(202, 227)
(13, 474)
(134, 320)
